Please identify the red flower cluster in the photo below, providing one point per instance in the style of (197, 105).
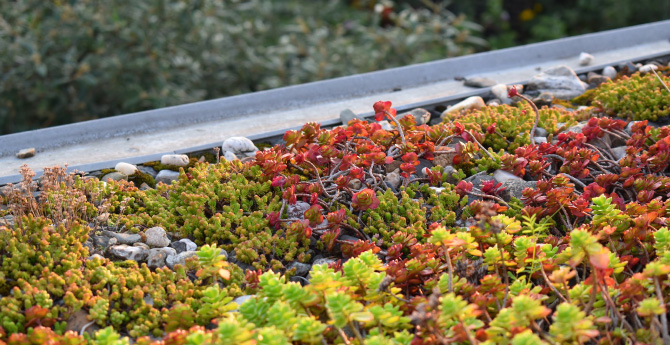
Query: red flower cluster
(382, 109)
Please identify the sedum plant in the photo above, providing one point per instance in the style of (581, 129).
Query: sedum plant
(581, 257)
(638, 97)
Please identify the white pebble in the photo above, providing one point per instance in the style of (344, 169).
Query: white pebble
(585, 59)
(178, 160)
(229, 156)
(167, 176)
(609, 72)
(500, 91)
(474, 102)
(502, 175)
(648, 68)
(240, 146)
(125, 168)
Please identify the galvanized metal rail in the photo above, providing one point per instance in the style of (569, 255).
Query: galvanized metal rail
(266, 115)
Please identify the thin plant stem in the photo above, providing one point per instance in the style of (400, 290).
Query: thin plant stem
(402, 135)
(662, 82)
(451, 269)
(553, 288)
(537, 117)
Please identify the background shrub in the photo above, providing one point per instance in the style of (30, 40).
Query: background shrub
(64, 61)
(509, 23)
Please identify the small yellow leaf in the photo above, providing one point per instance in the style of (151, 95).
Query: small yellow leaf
(224, 273)
(363, 316)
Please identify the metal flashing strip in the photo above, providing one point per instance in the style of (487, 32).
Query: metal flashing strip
(610, 48)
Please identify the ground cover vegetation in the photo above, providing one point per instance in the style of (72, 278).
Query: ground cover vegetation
(580, 256)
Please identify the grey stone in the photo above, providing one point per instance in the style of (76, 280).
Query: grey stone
(103, 241)
(172, 260)
(179, 259)
(148, 299)
(349, 238)
(141, 245)
(493, 102)
(156, 237)
(167, 176)
(595, 79)
(502, 176)
(230, 257)
(619, 152)
(543, 99)
(147, 170)
(438, 190)
(449, 171)
(126, 252)
(242, 299)
(577, 128)
(540, 140)
(422, 116)
(123, 238)
(500, 92)
(190, 245)
(178, 246)
(322, 260)
(478, 178)
(393, 179)
(96, 256)
(609, 72)
(585, 59)
(89, 245)
(96, 173)
(612, 140)
(114, 176)
(385, 125)
(301, 269)
(7, 220)
(297, 210)
(629, 127)
(184, 245)
(479, 82)
(474, 102)
(26, 153)
(513, 188)
(244, 266)
(157, 256)
(224, 253)
(630, 66)
(347, 115)
(178, 160)
(355, 184)
(560, 81)
(541, 132)
(144, 186)
(424, 164)
(78, 322)
(240, 146)
(125, 168)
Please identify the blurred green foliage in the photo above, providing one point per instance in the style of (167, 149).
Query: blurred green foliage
(515, 22)
(64, 61)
